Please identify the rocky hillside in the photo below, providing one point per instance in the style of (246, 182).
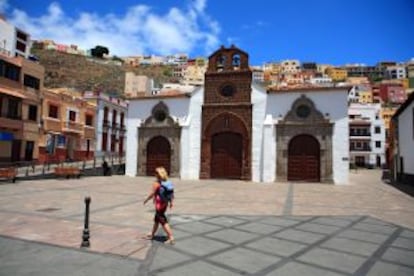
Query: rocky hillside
(85, 73)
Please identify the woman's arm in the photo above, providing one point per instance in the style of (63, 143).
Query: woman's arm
(152, 193)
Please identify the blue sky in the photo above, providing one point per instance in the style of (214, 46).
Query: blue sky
(324, 31)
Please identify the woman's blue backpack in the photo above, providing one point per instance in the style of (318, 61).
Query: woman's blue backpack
(166, 191)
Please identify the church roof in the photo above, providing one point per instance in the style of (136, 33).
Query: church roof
(304, 89)
(232, 48)
(163, 95)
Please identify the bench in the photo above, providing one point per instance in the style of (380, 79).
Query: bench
(67, 172)
(8, 173)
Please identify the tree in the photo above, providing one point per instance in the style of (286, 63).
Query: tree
(116, 58)
(99, 51)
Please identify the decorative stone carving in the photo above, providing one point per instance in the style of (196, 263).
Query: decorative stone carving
(304, 118)
(159, 123)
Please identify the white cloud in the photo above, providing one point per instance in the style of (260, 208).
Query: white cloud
(3, 6)
(139, 31)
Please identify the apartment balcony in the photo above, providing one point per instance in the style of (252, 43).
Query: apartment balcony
(11, 123)
(115, 126)
(105, 123)
(362, 149)
(52, 124)
(74, 127)
(89, 132)
(359, 122)
(359, 134)
(122, 129)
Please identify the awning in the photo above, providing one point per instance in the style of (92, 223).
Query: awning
(11, 92)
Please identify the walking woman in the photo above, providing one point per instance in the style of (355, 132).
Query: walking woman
(160, 205)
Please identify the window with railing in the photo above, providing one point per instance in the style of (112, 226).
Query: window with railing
(105, 117)
(122, 120)
(21, 35)
(359, 146)
(53, 111)
(20, 46)
(30, 81)
(104, 141)
(113, 142)
(9, 71)
(32, 116)
(360, 132)
(14, 109)
(114, 113)
(88, 120)
(72, 116)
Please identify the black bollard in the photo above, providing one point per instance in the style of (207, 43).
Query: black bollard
(85, 236)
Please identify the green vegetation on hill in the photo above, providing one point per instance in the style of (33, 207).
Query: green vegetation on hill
(86, 73)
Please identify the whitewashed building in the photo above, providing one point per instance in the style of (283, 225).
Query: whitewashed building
(232, 128)
(403, 151)
(13, 41)
(110, 124)
(366, 135)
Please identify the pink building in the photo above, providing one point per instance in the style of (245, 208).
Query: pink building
(392, 93)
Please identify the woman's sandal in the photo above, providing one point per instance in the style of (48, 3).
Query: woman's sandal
(170, 241)
(148, 237)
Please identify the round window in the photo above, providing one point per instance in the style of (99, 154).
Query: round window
(227, 91)
(303, 111)
(160, 115)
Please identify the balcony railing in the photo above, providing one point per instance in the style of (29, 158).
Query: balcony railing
(105, 123)
(52, 124)
(72, 126)
(11, 123)
(11, 116)
(367, 148)
(89, 132)
(354, 133)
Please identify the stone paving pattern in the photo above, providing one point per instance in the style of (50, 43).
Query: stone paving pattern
(221, 227)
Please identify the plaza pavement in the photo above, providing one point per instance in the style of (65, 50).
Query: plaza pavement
(222, 228)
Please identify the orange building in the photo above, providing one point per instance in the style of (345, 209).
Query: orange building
(21, 82)
(68, 126)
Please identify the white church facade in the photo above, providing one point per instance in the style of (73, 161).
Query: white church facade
(231, 128)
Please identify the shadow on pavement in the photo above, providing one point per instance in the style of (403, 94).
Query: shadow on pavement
(405, 188)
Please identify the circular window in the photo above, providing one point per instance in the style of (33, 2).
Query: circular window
(160, 115)
(227, 91)
(303, 111)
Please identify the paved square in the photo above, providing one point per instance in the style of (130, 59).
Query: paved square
(332, 259)
(276, 246)
(245, 260)
(232, 236)
(272, 229)
(299, 269)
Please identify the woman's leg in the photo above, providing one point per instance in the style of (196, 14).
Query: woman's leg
(168, 230)
(154, 228)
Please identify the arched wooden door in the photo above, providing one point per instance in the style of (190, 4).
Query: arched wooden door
(158, 154)
(304, 159)
(226, 155)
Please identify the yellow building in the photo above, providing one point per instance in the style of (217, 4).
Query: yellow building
(21, 82)
(336, 74)
(365, 97)
(193, 73)
(386, 113)
(68, 126)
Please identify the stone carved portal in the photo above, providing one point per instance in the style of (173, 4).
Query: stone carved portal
(306, 124)
(159, 142)
(225, 148)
